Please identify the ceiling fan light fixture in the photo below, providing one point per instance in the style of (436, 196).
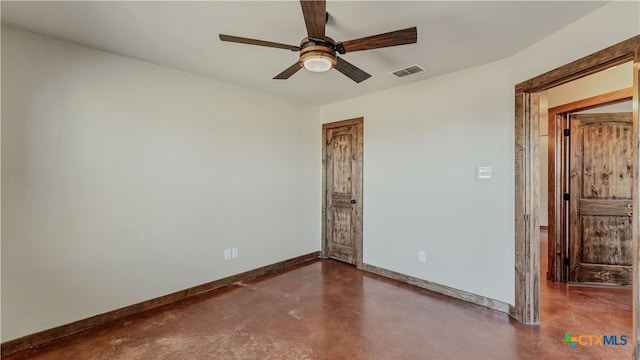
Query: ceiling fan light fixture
(317, 64)
(318, 58)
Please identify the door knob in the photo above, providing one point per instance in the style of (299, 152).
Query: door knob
(353, 201)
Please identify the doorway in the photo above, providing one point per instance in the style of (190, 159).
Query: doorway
(527, 174)
(342, 158)
(558, 185)
(601, 173)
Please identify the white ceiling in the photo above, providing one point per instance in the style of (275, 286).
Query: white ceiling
(452, 35)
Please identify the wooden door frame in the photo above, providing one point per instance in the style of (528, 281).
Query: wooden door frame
(557, 251)
(527, 173)
(359, 154)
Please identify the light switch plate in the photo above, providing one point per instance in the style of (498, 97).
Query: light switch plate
(485, 172)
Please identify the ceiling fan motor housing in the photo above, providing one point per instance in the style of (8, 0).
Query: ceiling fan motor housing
(313, 49)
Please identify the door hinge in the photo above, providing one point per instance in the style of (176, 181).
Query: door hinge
(567, 132)
(526, 217)
(565, 261)
(565, 197)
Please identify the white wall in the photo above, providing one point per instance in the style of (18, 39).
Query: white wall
(423, 143)
(619, 77)
(123, 181)
(609, 25)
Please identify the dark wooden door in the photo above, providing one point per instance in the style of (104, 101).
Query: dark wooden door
(342, 190)
(600, 205)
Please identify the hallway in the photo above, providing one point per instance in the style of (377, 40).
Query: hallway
(585, 310)
(324, 309)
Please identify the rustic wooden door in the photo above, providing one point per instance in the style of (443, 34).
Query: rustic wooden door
(600, 198)
(342, 190)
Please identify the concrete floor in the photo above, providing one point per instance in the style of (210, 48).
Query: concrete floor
(324, 309)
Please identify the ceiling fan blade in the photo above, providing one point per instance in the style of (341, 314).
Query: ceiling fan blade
(243, 40)
(315, 17)
(289, 71)
(394, 38)
(351, 71)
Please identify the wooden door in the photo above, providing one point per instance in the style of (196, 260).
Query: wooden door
(342, 190)
(600, 198)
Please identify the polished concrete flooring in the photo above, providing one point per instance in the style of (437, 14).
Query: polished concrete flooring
(324, 309)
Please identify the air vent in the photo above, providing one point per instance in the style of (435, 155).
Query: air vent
(409, 70)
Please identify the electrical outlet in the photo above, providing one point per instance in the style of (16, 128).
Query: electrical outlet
(234, 252)
(422, 256)
(227, 254)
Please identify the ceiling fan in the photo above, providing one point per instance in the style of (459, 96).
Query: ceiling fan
(318, 52)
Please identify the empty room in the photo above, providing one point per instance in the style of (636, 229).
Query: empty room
(319, 180)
